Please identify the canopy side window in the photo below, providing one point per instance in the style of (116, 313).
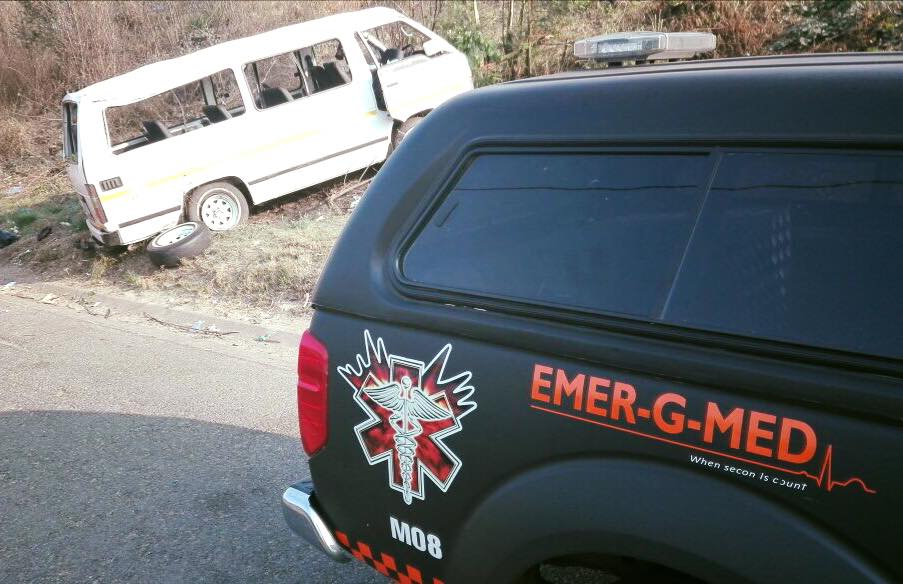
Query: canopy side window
(180, 110)
(601, 232)
(801, 247)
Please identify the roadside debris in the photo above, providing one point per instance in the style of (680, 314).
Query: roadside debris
(49, 298)
(197, 327)
(85, 244)
(13, 190)
(265, 338)
(8, 286)
(8, 237)
(44, 232)
(93, 307)
(356, 188)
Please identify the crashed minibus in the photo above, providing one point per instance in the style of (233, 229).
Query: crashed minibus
(205, 136)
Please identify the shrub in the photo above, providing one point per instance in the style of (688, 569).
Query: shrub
(842, 25)
(22, 218)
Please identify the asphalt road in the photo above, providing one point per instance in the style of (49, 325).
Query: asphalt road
(132, 452)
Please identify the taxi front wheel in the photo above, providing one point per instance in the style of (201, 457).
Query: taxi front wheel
(220, 206)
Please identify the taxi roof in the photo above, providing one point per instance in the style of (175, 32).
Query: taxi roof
(160, 76)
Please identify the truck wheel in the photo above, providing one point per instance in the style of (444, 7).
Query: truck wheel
(185, 240)
(403, 130)
(220, 206)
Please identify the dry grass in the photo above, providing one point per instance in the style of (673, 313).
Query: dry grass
(49, 48)
(743, 27)
(275, 265)
(13, 138)
(269, 265)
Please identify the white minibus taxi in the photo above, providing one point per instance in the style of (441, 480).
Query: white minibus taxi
(203, 136)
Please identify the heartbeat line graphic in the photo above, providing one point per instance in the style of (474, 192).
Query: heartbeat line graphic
(823, 479)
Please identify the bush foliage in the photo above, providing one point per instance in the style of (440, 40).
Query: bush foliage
(49, 48)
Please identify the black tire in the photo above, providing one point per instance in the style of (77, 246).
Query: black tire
(169, 247)
(403, 130)
(234, 206)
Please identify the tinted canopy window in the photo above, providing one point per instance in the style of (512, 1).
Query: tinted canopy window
(601, 232)
(800, 247)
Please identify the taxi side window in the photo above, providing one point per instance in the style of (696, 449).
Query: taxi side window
(276, 80)
(186, 108)
(602, 232)
(297, 74)
(394, 41)
(799, 247)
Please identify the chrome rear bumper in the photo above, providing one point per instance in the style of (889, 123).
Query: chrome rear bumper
(299, 512)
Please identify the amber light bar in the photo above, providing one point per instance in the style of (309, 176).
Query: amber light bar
(644, 46)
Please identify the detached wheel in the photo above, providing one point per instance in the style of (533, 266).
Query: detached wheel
(220, 206)
(182, 241)
(403, 130)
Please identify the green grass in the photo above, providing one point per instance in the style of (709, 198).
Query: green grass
(58, 210)
(23, 218)
(46, 199)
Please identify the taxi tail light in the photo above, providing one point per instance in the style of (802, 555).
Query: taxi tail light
(94, 206)
(313, 372)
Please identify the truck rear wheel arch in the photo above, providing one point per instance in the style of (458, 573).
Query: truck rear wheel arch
(652, 512)
(401, 128)
(627, 569)
(421, 114)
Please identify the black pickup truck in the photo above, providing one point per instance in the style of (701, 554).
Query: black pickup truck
(647, 319)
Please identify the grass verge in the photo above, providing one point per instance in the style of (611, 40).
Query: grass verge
(268, 266)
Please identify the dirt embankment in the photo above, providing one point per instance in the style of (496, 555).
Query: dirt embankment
(267, 267)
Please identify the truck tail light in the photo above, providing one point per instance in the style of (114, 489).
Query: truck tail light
(97, 212)
(313, 371)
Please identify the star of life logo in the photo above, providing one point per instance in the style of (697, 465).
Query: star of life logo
(411, 407)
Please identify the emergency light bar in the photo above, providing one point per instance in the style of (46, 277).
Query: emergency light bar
(644, 46)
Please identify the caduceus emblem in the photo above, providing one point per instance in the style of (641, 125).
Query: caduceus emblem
(411, 406)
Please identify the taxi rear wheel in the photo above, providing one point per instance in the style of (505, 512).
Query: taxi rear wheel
(172, 245)
(220, 206)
